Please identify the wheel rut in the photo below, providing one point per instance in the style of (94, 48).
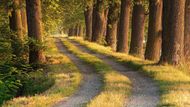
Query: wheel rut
(90, 86)
(145, 92)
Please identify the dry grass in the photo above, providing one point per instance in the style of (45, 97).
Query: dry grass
(174, 83)
(116, 86)
(67, 79)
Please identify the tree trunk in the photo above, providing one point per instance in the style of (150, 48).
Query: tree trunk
(173, 32)
(113, 18)
(165, 32)
(122, 40)
(138, 25)
(24, 17)
(81, 29)
(88, 21)
(34, 20)
(153, 47)
(70, 32)
(76, 30)
(16, 26)
(16, 20)
(99, 17)
(187, 31)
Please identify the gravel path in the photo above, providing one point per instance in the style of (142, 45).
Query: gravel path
(91, 84)
(145, 92)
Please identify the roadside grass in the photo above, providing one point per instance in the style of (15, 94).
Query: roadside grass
(67, 80)
(116, 87)
(174, 83)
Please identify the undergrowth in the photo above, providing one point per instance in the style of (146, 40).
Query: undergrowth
(66, 78)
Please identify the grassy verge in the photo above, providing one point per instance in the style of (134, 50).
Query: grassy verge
(67, 79)
(174, 83)
(116, 86)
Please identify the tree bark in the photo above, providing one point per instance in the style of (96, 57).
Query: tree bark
(34, 20)
(16, 26)
(122, 38)
(112, 24)
(81, 30)
(138, 25)
(187, 31)
(76, 30)
(70, 32)
(24, 20)
(99, 18)
(153, 48)
(23, 16)
(173, 32)
(88, 22)
(16, 20)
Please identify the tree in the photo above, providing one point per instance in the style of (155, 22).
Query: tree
(15, 22)
(71, 31)
(138, 25)
(23, 16)
(34, 20)
(112, 23)
(173, 31)
(99, 21)
(153, 47)
(81, 31)
(15, 19)
(187, 31)
(122, 40)
(88, 19)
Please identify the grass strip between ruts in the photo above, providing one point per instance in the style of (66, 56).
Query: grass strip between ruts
(116, 86)
(174, 83)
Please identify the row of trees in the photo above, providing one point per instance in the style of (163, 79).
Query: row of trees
(112, 21)
(23, 20)
(20, 48)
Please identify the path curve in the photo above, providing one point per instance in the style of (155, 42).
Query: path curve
(91, 83)
(145, 93)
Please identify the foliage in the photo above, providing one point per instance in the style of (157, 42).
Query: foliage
(59, 15)
(15, 73)
(10, 82)
(61, 70)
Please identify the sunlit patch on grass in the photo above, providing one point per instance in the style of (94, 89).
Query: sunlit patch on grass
(67, 79)
(116, 86)
(174, 82)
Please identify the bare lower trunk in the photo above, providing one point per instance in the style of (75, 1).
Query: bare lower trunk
(138, 25)
(81, 30)
(16, 20)
(24, 17)
(88, 21)
(153, 47)
(187, 31)
(99, 22)
(112, 25)
(122, 38)
(173, 32)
